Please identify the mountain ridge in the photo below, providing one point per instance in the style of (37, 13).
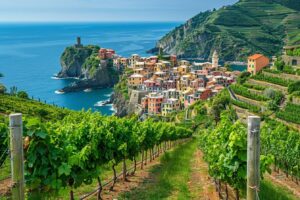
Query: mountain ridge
(248, 26)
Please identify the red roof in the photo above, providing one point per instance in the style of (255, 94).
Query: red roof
(255, 56)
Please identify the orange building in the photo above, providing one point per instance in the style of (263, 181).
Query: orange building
(257, 62)
(154, 101)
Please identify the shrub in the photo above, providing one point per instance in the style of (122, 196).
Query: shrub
(2, 89)
(294, 87)
(279, 64)
(22, 94)
(243, 77)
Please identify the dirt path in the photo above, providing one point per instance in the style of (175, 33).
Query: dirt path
(201, 185)
(133, 181)
(5, 187)
(281, 180)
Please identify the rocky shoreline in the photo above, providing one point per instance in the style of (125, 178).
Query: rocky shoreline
(82, 85)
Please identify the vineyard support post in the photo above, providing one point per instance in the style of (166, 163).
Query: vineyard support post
(17, 158)
(253, 155)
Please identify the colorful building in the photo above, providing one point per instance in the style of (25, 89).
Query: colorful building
(169, 106)
(256, 63)
(106, 53)
(136, 80)
(152, 103)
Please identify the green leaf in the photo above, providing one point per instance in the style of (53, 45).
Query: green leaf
(64, 169)
(41, 134)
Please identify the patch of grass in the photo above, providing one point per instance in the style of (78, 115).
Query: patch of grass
(5, 169)
(269, 191)
(170, 178)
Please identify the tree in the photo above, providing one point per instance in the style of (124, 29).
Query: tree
(2, 89)
(22, 94)
(279, 64)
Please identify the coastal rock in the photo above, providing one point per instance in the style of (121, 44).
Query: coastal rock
(120, 103)
(83, 63)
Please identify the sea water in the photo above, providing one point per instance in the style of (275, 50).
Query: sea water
(30, 56)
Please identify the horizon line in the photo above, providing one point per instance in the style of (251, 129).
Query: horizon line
(51, 22)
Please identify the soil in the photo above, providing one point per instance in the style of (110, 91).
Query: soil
(5, 186)
(133, 181)
(286, 182)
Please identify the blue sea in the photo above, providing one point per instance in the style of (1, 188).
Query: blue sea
(30, 55)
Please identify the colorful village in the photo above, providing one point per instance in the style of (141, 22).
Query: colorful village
(160, 85)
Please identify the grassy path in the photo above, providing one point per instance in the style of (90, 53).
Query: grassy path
(201, 185)
(170, 178)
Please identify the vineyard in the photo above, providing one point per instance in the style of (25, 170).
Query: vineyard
(70, 152)
(10, 104)
(291, 113)
(255, 87)
(274, 80)
(243, 91)
(250, 107)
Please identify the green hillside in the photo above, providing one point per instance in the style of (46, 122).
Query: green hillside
(236, 31)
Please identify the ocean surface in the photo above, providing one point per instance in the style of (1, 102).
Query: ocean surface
(30, 56)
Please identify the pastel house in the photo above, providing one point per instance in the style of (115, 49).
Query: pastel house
(136, 80)
(256, 63)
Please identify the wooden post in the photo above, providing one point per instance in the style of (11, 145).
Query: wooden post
(17, 159)
(253, 155)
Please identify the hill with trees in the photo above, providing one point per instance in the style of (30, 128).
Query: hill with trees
(249, 26)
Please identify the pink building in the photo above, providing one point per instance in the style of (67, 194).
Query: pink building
(106, 53)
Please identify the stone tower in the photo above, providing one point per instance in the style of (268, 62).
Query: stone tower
(78, 44)
(215, 60)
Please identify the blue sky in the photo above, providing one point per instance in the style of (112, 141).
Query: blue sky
(104, 10)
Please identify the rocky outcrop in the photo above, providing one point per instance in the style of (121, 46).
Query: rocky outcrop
(120, 103)
(83, 63)
(72, 60)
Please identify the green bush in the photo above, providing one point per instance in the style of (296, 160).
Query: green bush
(294, 87)
(2, 89)
(243, 77)
(22, 94)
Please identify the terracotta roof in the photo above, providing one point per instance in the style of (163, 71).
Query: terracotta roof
(255, 56)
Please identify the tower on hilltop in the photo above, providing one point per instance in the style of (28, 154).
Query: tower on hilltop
(215, 60)
(78, 44)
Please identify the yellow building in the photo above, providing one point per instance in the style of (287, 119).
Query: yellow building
(171, 105)
(256, 63)
(136, 80)
(183, 69)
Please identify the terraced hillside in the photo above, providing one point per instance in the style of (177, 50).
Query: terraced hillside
(269, 96)
(236, 31)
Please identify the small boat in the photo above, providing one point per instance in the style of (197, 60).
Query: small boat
(87, 90)
(102, 103)
(59, 92)
(99, 104)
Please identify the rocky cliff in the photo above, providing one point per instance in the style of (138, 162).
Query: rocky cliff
(249, 26)
(84, 64)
